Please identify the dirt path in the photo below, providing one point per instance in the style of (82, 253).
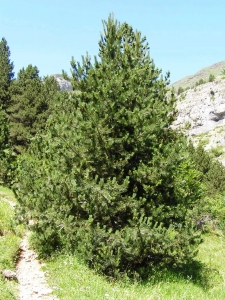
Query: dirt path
(32, 283)
(31, 279)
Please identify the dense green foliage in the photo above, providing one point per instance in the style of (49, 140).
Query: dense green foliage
(212, 171)
(25, 105)
(30, 106)
(4, 130)
(5, 152)
(210, 211)
(6, 77)
(6, 73)
(202, 280)
(109, 177)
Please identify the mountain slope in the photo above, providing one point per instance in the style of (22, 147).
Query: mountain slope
(189, 81)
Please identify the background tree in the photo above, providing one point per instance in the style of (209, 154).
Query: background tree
(30, 105)
(210, 210)
(212, 171)
(4, 147)
(6, 73)
(6, 77)
(109, 177)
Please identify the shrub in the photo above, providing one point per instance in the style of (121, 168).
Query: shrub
(216, 151)
(212, 171)
(223, 73)
(201, 81)
(187, 125)
(211, 78)
(180, 90)
(210, 213)
(212, 93)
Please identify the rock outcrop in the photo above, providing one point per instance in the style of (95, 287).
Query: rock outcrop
(201, 114)
(65, 85)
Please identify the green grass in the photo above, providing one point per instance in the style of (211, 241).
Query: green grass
(204, 279)
(10, 237)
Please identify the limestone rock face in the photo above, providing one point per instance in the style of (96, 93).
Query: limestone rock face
(65, 85)
(201, 114)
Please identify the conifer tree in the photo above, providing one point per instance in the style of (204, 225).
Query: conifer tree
(112, 179)
(29, 106)
(6, 73)
(4, 134)
(6, 77)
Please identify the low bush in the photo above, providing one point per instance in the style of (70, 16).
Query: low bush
(211, 78)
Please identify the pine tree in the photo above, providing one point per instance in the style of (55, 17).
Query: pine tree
(6, 73)
(7, 159)
(112, 178)
(30, 105)
(6, 77)
(4, 134)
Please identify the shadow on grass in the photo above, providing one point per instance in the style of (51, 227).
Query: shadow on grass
(194, 272)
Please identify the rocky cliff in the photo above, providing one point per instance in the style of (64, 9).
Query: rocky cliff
(201, 115)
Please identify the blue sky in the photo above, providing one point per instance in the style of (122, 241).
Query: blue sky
(184, 36)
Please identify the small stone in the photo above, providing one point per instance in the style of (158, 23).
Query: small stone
(8, 274)
(32, 222)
